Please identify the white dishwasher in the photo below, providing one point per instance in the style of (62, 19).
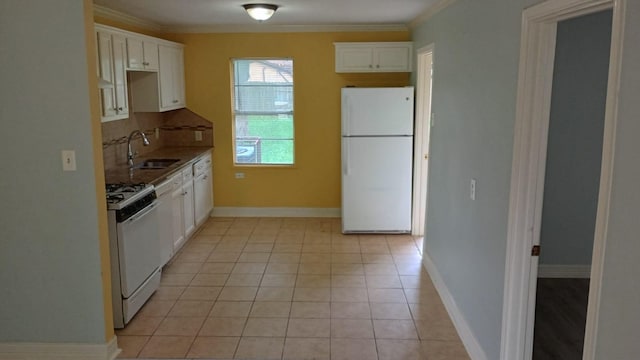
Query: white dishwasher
(165, 214)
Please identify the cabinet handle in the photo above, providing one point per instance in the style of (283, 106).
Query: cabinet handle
(378, 66)
(175, 101)
(145, 63)
(370, 66)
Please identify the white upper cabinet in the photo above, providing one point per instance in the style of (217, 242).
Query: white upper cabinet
(120, 74)
(374, 57)
(155, 78)
(164, 90)
(171, 77)
(142, 54)
(112, 76)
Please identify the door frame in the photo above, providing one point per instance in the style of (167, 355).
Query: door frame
(421, 136)
(533, 104)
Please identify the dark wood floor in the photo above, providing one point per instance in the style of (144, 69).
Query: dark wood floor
(561, 311)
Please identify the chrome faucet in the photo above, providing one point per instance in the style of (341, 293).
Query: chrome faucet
(130, 154)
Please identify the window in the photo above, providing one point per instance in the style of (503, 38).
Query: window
(263, 111)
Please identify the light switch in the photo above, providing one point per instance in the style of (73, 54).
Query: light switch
(239, 175)
(68, 160)
(472, 189)
(198, 135)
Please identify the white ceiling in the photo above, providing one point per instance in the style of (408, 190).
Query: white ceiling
(189, 15)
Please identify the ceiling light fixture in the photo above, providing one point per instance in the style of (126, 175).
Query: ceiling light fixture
(260, 12)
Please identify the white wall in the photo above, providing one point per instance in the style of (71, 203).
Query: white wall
(619, 321)
(49, 256)
(474, 95)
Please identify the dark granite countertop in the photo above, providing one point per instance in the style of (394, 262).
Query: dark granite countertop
(122, 174)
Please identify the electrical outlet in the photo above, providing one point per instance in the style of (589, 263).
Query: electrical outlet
(157, 130)
(68, 160)
(472, 189)
(198, 135)
(239, 175)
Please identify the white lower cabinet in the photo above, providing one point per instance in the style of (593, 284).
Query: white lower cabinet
(203, 189)
(177, 206)
(189, 210)
(186, 200)
(166, 223)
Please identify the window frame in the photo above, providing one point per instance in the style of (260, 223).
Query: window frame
(235, 113)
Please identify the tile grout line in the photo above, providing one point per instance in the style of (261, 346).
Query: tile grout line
(330, 275)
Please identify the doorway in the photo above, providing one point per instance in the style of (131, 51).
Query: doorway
(572, 179)
(535, 80)
(421, 139)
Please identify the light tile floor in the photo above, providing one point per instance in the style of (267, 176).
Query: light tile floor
(293, 288)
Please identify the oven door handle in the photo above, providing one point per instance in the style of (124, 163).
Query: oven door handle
(142, 213)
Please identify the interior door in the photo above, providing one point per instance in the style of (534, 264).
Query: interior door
(422, 137)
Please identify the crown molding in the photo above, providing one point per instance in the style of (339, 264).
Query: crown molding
(430, 12)
(115, 15)
(261, 28)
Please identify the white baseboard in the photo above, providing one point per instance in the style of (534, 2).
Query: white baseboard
(564, 271)
(60, 351)
(275, 212)
(469, 340)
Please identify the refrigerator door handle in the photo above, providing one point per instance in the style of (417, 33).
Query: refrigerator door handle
(346, 158)
(346, 115)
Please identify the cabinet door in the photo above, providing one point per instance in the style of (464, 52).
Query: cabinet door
(166, 233)
(105, 73)
(141, 54)
(135, 54)
(354, 59)
(392, 58)
(203, 196)
(374, 57)
(166, 59)
(120, 75)
(188, 209)
(171, 69)
(178, 77)
(150, 55)
(177, 204)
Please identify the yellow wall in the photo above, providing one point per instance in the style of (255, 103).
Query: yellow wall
(314, 180)
(96, 129)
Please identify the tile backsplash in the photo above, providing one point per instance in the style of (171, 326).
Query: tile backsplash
(176, 128)
(180, 126)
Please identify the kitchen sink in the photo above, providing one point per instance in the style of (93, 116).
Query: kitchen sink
(156, 164)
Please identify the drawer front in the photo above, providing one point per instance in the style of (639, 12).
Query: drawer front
(202, 165)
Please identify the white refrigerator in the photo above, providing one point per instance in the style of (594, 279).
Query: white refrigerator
(377, 159)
